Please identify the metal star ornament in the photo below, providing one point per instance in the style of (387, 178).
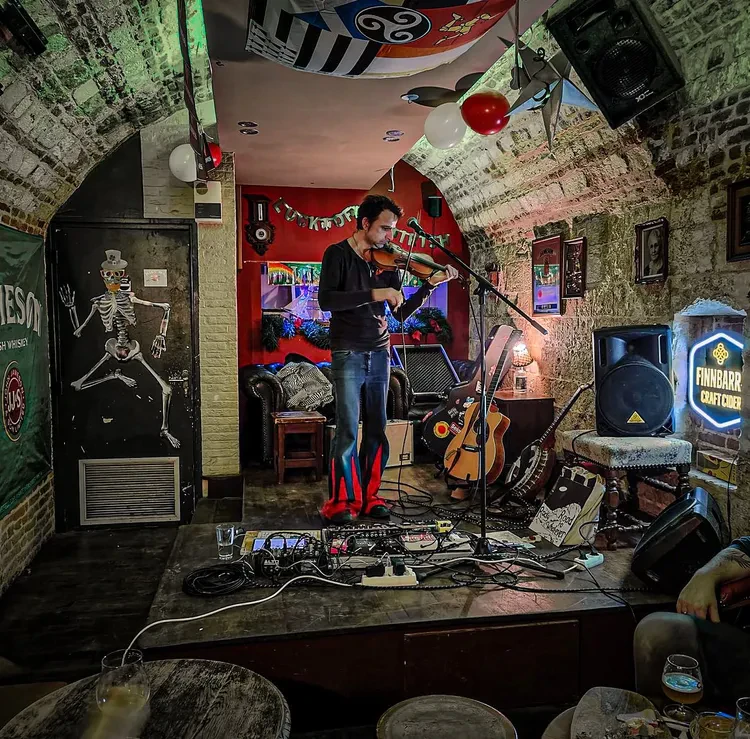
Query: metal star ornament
(545, 85)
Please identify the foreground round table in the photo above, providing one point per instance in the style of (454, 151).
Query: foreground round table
(194, 698)
(444, 717)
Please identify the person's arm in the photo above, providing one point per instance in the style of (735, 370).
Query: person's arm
(698, 597)
(332, 278)
(414, 302)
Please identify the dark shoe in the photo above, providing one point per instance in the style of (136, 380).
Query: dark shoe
(339, 519)
(379, 511)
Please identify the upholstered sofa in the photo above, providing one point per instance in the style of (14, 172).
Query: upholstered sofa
(262, 394)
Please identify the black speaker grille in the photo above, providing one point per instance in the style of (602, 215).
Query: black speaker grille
(627, 68)
(428, 369)
(634, 398)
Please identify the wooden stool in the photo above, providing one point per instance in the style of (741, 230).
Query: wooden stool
(633, 455)
(444, 717)
(298, 422)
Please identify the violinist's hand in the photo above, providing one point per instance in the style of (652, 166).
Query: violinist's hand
(451, 273)
(393, 297)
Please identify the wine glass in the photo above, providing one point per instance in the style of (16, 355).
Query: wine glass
(742, 727)
(123, 689)
(682, 682)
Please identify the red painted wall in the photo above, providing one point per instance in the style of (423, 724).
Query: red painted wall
(292, 243)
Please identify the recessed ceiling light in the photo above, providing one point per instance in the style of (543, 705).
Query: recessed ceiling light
(410, 97)
(247, 124)
(394, 132)
(249, 131)
(391, 139)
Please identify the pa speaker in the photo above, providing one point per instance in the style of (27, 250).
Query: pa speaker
(682, 538)
(620, 53)
(434, 206)
(632, 377)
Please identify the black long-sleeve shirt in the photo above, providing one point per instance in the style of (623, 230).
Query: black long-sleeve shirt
(346, 283)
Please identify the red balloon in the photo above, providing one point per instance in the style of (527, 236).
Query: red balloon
(215, 151)
(486, 112)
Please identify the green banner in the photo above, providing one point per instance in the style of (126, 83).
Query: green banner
(24, 368)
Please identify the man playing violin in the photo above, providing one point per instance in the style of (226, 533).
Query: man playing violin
(356, 291)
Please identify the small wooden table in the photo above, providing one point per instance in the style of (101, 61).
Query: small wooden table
(190, 698)
(298, 422)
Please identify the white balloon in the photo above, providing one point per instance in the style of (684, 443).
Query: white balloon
(182, 163)
(445, 127)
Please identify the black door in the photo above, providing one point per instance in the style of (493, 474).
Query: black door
(126, 400)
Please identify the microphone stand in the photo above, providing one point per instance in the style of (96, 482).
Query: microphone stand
(484, 286)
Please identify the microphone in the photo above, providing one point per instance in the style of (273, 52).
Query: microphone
(414, 223)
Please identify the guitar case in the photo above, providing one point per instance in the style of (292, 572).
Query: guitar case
(443, 422)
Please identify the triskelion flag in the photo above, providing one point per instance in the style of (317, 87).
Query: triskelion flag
(369, 38)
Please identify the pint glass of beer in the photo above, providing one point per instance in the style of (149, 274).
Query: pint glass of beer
(682, 682)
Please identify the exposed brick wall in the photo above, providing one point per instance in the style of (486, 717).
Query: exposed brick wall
(166, 197)
(24, 530)
(675, 161)
(217, 291)
(110, 68)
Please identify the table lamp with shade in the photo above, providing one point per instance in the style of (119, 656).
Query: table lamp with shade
(521, 360)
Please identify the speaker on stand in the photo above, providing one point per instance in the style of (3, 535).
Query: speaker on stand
(632, 377)
(620, 53)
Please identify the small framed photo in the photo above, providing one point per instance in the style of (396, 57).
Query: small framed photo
(546, 258)
(574, 268)
(738, 221)
(651, 252)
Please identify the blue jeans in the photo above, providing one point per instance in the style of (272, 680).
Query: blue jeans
(354, 478)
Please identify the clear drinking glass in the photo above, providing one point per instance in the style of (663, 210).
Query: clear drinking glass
(742, 728)
(123, 689)
(225, 540)
(681, 682)
(712, 726)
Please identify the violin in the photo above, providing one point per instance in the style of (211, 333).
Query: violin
(391, 257)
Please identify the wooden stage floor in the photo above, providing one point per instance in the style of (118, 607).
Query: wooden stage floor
(363, 650)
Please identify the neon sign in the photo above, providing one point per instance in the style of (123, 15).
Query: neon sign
(715, 371)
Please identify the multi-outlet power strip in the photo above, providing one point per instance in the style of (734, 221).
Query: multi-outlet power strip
(388, 579)
(590, 560)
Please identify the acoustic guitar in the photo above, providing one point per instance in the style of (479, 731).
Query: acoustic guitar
(440, 425)
(532, 470)
(462, 456)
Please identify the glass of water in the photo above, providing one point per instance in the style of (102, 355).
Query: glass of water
(225, 540)
(742, 727)
(123, 687)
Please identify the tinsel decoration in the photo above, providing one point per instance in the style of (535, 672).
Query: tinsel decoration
(273, 329)
(316, 334)
(425, 321)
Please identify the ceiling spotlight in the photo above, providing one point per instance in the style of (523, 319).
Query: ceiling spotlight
(391, 139)
(247, 124)
(410, 97)
(249, 131)
(394, 132)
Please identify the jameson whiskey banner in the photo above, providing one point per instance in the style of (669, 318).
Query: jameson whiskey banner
(24, 368)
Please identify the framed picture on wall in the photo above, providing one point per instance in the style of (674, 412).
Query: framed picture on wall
(651, 252)
(546, 257)
(738, 221)
(574, 268)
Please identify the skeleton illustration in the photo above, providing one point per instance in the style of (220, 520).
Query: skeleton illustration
(115, 308)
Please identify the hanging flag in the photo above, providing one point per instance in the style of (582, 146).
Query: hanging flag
(369, 38)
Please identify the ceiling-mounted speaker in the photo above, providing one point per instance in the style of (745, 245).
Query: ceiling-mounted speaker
(632, 376)
(620, 53)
